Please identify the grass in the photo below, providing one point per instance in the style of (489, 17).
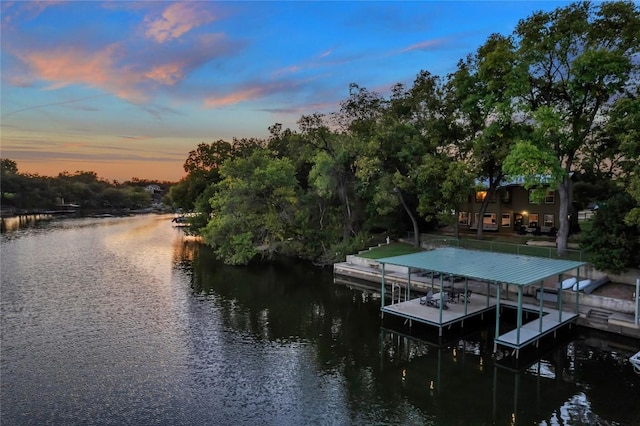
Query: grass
(389, 250)
(513, 245)
(586, 225)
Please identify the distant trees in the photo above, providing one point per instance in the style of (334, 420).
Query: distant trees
(82, 188)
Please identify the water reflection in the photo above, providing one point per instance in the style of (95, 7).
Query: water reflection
(13, 223)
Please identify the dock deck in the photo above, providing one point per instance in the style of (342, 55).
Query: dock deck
(517, 338)
(434, 316)
(534, 330)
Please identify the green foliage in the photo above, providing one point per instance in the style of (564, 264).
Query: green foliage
(8, 167)
(633, 216)
(539, 168)
(572, 63)
(613, 245)
(253, 207)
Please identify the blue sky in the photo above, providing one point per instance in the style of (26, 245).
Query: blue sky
(127, 88)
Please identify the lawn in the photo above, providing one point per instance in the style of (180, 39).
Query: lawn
(389, 250)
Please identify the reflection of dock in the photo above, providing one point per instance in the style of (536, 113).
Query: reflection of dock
(432, 376)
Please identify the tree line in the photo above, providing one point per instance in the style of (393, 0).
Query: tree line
(555, 102)
(84, 189)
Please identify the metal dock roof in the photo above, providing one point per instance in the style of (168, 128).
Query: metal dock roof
(485, 266)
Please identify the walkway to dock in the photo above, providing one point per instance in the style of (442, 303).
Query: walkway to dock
(530, 332)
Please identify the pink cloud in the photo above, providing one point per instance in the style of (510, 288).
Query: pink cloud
(167, 74)
(425, 45)
(288, 70)
(62, 67)
(15, 11)
(99, 69)
(176, 20)
(251, 92)
(235, 97)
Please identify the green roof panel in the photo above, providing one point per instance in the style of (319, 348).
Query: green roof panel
(485, 266)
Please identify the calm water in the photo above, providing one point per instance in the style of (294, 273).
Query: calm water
(124, 321)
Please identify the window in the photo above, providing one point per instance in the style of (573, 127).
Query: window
(464, 218)
(489, 219)
(506, 219)
(531, 199)
(481, 195)
(533, 219)
(550, 197)
(505, 196)
(548, 220)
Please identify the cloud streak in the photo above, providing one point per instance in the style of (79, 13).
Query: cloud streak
(427, 45)
(70, 101)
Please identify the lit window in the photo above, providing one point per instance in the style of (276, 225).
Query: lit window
(506, 219)
(489, 219)
(548, 220)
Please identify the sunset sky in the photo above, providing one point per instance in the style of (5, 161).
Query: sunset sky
(127, 88)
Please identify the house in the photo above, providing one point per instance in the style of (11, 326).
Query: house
(153, 189)
(511, 209)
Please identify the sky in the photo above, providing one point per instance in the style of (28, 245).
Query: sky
(126, 89)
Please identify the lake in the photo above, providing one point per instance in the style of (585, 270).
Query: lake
(117, 321)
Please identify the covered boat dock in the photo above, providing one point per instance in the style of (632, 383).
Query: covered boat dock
(494, 269)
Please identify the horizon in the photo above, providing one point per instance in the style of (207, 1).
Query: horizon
(127, 89)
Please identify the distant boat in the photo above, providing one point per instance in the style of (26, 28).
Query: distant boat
(180, 221)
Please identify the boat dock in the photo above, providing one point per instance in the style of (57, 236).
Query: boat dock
(496, 270)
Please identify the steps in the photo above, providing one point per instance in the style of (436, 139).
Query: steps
(598, 317)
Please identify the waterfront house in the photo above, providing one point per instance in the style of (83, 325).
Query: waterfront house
(511, 209)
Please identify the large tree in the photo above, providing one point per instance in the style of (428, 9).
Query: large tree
(572, 64)
(254, 207)
(482, 88)
(332, 175)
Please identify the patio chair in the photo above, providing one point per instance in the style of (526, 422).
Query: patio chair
(428, 299)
